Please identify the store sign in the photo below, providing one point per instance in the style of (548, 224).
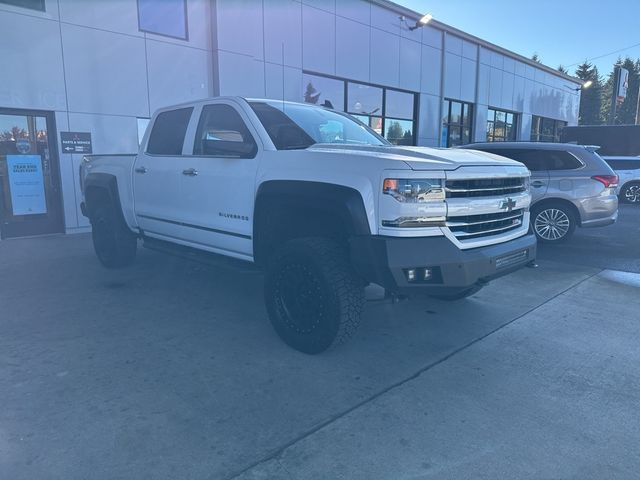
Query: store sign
(76, 142)
(26, 184)
(623, 84)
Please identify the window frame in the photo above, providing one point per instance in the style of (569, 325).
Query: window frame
(514, 125)
(186, 24)
(382, 114)
(465, 106)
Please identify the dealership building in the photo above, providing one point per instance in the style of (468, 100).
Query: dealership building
(85, 76)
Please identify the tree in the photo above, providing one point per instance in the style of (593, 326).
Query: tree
(311, 95)
(14, 134)
(395, 131)
(536, 58)
(625, 111)
(561, 69)
(590, 98)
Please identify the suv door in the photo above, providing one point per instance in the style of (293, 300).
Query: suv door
(535, 161)
(218, 181)
(156, 176)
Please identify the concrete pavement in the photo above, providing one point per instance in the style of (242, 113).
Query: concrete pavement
(171, 370)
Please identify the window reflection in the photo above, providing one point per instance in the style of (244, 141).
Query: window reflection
(546, 129)
(323, 91)
(364, 99)
(501, 126)
(399, 132)
(399, 104)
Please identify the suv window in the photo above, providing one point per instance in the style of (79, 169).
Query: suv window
(540, 160)
(222, 132)
(531, 158)
(624, 164)
(169, 129)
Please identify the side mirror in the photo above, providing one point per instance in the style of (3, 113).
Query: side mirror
(226, 148)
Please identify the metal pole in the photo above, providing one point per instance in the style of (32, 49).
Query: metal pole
(614, 96)
(638, 108)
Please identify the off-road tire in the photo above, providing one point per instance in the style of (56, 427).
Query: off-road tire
(553, 212)
(313, 298)
(114, 244)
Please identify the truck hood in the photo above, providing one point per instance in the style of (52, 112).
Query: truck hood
(420, 158)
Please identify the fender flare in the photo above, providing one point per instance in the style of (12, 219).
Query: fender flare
(106, 185)
(345, 203)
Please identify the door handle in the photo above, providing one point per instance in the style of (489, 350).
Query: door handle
(141, 170)
(537, 184)
(191, 172)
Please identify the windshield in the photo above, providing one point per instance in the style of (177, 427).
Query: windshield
(293, 126)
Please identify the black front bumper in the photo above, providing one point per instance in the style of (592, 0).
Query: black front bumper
(384, 260)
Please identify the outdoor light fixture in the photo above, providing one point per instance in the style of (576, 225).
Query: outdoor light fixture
(420, 23)
(586, 84)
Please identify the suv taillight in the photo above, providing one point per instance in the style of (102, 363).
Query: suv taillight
(607, 180)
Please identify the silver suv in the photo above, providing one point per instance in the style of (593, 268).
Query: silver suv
(628, 170)
(571, 185)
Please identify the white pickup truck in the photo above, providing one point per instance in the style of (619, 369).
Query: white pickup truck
(319, 200)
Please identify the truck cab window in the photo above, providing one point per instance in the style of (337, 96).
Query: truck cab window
(169, 129)
(222, 132)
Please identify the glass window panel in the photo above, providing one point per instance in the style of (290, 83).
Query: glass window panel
(466, 135)
(466, 114)
(364, 99)
(500, 116)
(399, 132)
(454, 138)
(169, 129)
(168, 17)
(490, 130)
(399, 104)
(456, 113)
(320, 90)
(31, 4)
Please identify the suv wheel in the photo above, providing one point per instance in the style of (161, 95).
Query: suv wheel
(631, 193)
(113, 242)
(553, 222)
(313, 298)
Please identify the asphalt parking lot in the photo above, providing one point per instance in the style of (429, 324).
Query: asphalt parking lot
(170, 370)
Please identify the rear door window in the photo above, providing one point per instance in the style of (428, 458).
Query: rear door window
(168, 132)
(532, 159)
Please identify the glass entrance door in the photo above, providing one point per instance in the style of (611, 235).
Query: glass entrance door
(30, 200)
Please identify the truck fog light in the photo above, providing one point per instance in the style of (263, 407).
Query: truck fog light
(411, 274)
(427, 274)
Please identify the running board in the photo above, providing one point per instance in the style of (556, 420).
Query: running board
(198, 256)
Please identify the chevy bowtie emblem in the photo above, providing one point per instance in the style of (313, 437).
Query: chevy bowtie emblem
(508, 204)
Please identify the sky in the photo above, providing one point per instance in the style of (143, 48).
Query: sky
(561, 31)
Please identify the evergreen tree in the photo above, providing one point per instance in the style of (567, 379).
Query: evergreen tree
(561, 69)
(536, 58)
(590, 98)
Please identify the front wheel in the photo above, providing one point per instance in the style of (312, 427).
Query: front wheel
(553, 222)
(630, 193)
(114, 244)
(313, 298)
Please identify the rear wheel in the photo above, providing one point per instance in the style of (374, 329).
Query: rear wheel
(313, 298)
(630, 193)
(553, 222)
(113, 242)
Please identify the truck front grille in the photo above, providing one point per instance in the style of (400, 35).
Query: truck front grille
(475, 226)
(484, 187)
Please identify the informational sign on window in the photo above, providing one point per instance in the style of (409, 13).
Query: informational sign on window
(76, 142)
(26, 184)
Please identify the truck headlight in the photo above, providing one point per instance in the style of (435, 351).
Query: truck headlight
(419, 202)
(414, 190)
